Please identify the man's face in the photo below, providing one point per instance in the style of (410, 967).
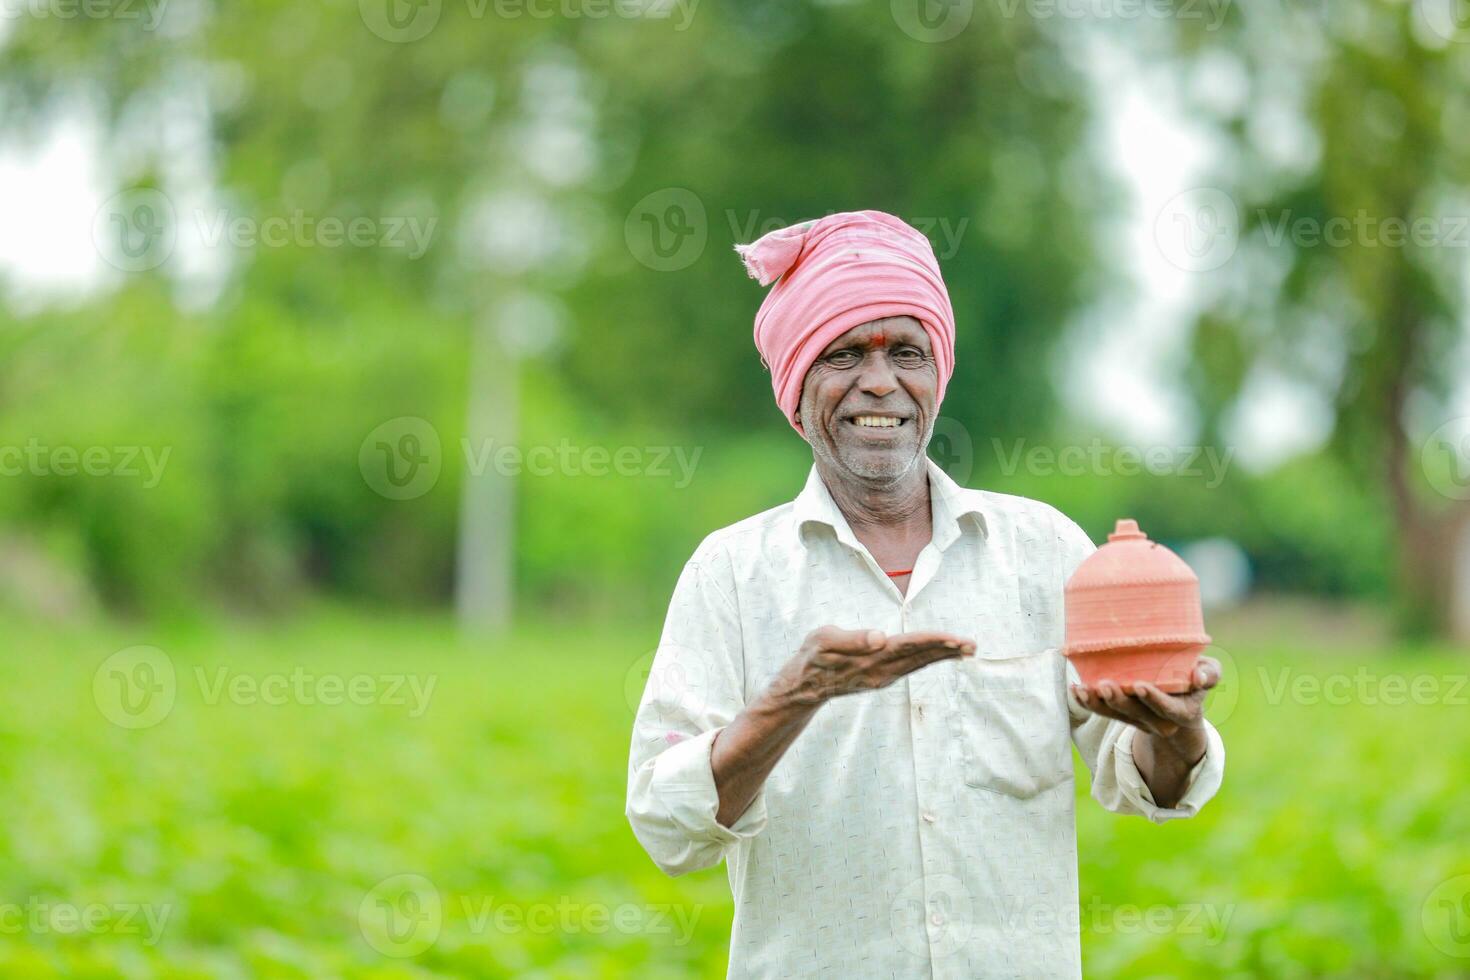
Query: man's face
(868, 402)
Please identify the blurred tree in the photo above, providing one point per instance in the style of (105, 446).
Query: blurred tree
(557, 155)
(1346, 156)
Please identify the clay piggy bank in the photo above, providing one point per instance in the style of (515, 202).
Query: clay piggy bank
(1133, 614)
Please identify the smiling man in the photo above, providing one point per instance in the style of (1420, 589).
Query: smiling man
(858, 701)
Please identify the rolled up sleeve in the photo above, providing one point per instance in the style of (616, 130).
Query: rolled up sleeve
(1106, 746)
(694, 689)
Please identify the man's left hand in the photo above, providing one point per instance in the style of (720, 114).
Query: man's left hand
(1174, 718)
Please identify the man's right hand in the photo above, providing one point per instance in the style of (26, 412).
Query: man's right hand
(830, 663)
(833, 662)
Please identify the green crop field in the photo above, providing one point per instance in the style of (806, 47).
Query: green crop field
(373, 798)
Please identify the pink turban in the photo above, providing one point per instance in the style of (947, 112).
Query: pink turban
(838, 272)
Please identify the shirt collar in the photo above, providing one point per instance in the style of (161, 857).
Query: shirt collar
(951, 507)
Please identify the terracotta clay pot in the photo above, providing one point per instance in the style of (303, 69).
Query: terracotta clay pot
(1133, 614)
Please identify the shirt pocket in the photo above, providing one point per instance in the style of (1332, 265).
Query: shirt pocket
(1011, 723)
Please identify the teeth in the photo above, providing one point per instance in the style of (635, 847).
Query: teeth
(878, 421)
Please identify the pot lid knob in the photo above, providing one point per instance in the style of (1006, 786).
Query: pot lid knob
(1127, 530)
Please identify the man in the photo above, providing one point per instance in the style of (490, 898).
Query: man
(859, 701)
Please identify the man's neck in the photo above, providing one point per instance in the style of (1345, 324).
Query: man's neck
(902, 506)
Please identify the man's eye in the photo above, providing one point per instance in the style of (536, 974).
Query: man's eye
(843, 358)
(909, 357)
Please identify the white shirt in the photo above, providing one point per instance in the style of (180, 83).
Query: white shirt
(925, 829)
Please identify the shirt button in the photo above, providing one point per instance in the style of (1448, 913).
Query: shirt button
(928, 817)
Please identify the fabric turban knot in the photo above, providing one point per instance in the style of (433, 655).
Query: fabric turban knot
(836, 273)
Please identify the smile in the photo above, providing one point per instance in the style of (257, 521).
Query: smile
(877, 421)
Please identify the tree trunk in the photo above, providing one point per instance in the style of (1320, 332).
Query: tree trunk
(1433, 554)
(484, 581)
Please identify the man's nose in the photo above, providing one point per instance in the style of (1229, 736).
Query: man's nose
(877, 378)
